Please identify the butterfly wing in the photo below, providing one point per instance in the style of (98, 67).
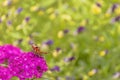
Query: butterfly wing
(36, 49)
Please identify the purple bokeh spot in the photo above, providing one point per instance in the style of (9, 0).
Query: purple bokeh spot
(114, 7)
(9, 22)
(55, 68)
(80, 29)
(115, 19)
(19, 10)
(66, 31)
(98, 4)
(49, 42)
(58, 49)
(27, 19)
(69, 59)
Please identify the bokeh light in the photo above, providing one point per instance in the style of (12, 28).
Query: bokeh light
(81, 37)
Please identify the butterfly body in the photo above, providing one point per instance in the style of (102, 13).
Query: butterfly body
(37, 50)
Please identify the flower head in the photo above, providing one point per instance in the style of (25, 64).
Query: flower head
(96, 9)
(23, 65)
(92, 72)
(80, 29)
(115, 19)
(69, 59)
(98, 4)
(49, 42)
(103, 53)
(116, 75)
(9, 23)
(60, 34)
(114, 6)
(19, 10)
(55, 68)
(27, 19)
(66, 31)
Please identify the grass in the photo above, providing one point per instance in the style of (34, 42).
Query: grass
(49, 19)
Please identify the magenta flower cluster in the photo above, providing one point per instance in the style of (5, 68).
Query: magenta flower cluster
(24, 65)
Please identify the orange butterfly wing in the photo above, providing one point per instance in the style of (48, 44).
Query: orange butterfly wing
(36, 49)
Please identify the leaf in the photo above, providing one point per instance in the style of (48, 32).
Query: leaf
(47, 3)
(15, 78)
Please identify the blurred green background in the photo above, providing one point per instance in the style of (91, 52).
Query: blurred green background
(82, 37)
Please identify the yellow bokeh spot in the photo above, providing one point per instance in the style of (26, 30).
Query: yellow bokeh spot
(5, 3)
(92, 72)
(55, 54)
(85, 77)
(15, 43)
(19, 27)
(118, 29)
(83, 23)
(41, 13)
(102, 53)
(12, 10)
(101, 38)
(107, 15)
(34, 8)
(3, 17)
(117, 10)
(49, 72)
(50, 10)
(60, 34)
(15, 1)
(52, 16)
(96, 10)
(66, 17)
(1, 43)
(28, 39)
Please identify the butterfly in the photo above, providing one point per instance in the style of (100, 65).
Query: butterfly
(37, 50)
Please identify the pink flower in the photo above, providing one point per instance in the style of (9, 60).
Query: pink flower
(24, 65)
